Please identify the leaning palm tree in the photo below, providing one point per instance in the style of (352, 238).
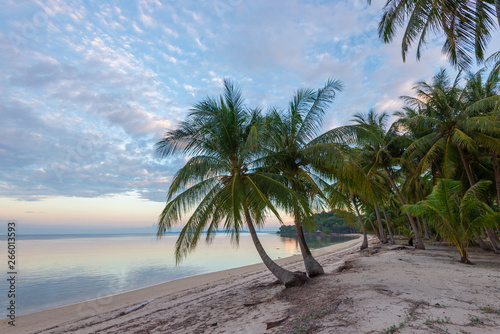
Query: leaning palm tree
(456, 216)
(292, 152)
(467, 26)
(218, 187)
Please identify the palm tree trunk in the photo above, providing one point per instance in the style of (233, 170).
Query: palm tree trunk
(463, 254)
(380, 226)
(466, 166)
(391, 236)
(426, 230)
(419, 244)
(419, 224)
(374, 229)
(365, 237)
(440, 171)
(286, 277)
(494, 158)
(313, 268)
(481, 243)
(491, 236)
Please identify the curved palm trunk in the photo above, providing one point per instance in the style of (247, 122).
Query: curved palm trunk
(313, 268)
(365, 237)
(391, 236)
(286, 277)
(381, 230)
(419, 244)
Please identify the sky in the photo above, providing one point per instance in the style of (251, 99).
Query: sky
(88, 87)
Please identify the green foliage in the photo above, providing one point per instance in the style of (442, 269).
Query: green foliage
(327, 222)
(219, 186)
(466, 25)
(445, 320)
(474, 321)
(456, 216)
(490, 309)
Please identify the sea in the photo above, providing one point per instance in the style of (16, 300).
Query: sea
(59, 270)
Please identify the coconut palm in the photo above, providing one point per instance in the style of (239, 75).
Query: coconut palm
(483, 100)
(218, 187)
(445, 111)
(381, 145)
(456, 216)
(293, 152)
(467, 26)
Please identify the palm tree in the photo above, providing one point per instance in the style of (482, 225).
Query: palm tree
(380, 145)
(467, 26)
(483, 100)
(292, 152)
(218, 183)
(455, 215)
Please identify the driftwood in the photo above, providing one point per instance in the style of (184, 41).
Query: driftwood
(136, 307)
(276, 323)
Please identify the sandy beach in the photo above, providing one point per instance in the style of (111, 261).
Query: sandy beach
(383, 289)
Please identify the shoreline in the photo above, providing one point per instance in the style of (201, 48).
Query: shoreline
(59, 316)
(382, 289)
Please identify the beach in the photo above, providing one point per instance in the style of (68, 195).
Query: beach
(387, 287)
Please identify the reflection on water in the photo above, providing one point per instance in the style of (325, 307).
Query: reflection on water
(315, 241)
(56, 271)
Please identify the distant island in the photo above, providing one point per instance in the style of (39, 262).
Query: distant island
(325, 222)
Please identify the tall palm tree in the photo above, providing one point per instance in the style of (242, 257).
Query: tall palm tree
(445, 111)
(467, 26)
(292, 152)
(218, 186)
(381, 145)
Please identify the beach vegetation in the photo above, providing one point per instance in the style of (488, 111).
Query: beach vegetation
(219, 187)
(291, 150)
(466, 25)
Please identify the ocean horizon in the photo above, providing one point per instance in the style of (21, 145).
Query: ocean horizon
(56, 270)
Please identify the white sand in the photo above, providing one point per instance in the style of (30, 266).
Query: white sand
(425, 291)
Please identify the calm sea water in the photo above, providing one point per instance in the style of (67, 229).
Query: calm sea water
(57, 270)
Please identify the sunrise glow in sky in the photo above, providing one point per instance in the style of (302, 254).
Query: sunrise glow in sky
(88, 87)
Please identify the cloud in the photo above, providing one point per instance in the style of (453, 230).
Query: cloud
(86, 95)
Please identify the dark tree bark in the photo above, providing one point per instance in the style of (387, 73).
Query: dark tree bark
(286, 277)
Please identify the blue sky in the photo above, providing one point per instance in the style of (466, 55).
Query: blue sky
(88, 87)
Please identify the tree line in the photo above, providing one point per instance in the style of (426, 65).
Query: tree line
(325, 222)
(431, 173)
